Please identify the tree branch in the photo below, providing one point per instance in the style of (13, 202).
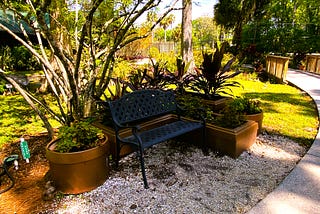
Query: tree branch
(27, 98)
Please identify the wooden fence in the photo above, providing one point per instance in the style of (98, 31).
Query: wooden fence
(277, 66)
(164, 47)
(313, 63)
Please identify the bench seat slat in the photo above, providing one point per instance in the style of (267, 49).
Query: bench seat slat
(163, 133)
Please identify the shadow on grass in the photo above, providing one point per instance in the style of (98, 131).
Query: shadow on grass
(15, 115)
(300, 109)
(270, 101)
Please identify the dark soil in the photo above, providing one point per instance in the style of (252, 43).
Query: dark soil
(26, 196)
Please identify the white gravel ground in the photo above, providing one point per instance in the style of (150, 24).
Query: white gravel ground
(183, 180)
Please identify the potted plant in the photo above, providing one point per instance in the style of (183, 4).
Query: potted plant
(231, 131)
(228, 133)
(250, 108)
(78, 158)
(213, 80)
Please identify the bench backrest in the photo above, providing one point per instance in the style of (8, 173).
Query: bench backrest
(142, 104)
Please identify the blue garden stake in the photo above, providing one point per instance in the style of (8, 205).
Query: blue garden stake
(24, 149)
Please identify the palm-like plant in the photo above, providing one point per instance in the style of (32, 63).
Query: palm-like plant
(156, 77)
(213, 79)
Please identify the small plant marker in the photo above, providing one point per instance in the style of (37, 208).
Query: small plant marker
(24, 149)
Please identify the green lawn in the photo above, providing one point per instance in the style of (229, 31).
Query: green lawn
(287, 110)
(18, 119)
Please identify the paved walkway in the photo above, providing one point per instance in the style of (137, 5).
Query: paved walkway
(299, 192)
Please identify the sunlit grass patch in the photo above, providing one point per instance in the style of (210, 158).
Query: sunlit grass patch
(287, 110)
(18, 119)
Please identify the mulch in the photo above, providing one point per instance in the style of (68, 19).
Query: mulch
(27, 194)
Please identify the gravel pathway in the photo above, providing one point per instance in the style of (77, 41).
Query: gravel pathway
(183, 180)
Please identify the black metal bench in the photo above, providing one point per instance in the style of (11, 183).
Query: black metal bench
(144, 105)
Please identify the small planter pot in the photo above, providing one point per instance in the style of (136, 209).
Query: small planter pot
(78, 172)
(257, 118)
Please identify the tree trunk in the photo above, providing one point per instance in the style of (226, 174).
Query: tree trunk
(237, 38)
(186, 40)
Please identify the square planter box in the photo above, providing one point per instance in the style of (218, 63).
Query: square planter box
(257, 118)
(231, 142)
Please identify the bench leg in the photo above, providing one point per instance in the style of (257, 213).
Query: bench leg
(143, 171)
(117, 154)
(204, 144)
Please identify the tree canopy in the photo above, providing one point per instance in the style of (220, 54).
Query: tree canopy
(233, 14)
(288, 26)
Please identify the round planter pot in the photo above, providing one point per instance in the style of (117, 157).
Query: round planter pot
(78, 172)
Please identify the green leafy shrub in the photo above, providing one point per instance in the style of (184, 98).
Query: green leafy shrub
(190, 105)
(230, 117)
(18, 58)
(2, 86)
(22, 59)
(78, 137)
(121, 69)
(5, 57)
(170, 59)
(246, 105)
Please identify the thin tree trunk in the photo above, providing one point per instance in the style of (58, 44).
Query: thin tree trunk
(186, 40)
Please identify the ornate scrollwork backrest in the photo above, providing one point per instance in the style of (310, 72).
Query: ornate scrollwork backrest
(142, 104)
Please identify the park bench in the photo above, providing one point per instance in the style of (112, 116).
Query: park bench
(144, 105)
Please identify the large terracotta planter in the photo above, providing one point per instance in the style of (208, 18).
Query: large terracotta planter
(78, 172)
(257, 118)
(127, 149)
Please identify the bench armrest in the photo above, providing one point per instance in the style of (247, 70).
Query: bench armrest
(134, 128)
